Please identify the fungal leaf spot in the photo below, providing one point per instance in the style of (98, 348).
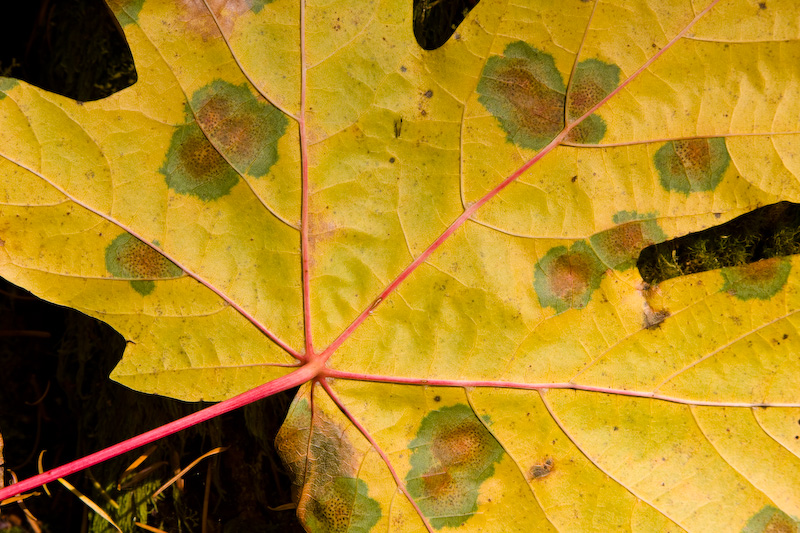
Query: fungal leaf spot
(524, 90)
(566, 278)
(619, 247)
(540, 470)
(771, 520)
(692, 165)
(128, 257)
(593, 80)
(760, 280)
(291, 442)
(244, 128)
(324, 471)
(343, 505)
(452, 455)
(257, 5)
(193, 166)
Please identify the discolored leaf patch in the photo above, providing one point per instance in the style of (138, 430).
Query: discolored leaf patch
(324, 470)
(452, 454)
(244, 128)
(566, 278)
(193, 166)
(524, 90)
(229, 133)
(592, 82)
(128, 257)
(619, 247)
(771, 520)
(6, 84)
(692, 165)
(760, 280)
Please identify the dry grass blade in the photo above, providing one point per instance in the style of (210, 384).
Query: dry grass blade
(284, 507)
(180, 474)
(19, 498)
(149, 528)
(139, 460)
(40, 466)
(139, 476)
(89, 503)
(32, 520)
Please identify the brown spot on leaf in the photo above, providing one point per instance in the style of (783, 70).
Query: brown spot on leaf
(542, 469)
(524, 90)
(571, 274)
(693, 155)
(235, 132)
(461, 446)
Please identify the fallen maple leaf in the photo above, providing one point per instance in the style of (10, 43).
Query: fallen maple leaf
(443, 245)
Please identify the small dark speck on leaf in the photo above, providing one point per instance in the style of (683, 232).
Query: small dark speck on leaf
(574, 179)
(616, 428)
(402, 68)
(428, 93)
(392, 160)
(762, 5)
(437, 398)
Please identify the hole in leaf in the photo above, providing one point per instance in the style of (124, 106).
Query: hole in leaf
(71, 47)
(764, 233)
(436, 20)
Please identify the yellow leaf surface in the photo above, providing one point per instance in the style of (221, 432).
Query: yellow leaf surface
(454, 233)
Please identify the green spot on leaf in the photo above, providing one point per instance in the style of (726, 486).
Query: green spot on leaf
(343, 506)
(6, 84)
(243, 127)
(193, 166)
(593, 81)
(258, 5)
(620, 247)
(524, 90)
(762, 279)
(234, 133)
(452, 455)
(565, 279)
(692, 165)
(127, 11)
(128, 257)
(771, 520)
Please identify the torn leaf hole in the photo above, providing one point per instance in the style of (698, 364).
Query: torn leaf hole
(764, 233)
(436, 20)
